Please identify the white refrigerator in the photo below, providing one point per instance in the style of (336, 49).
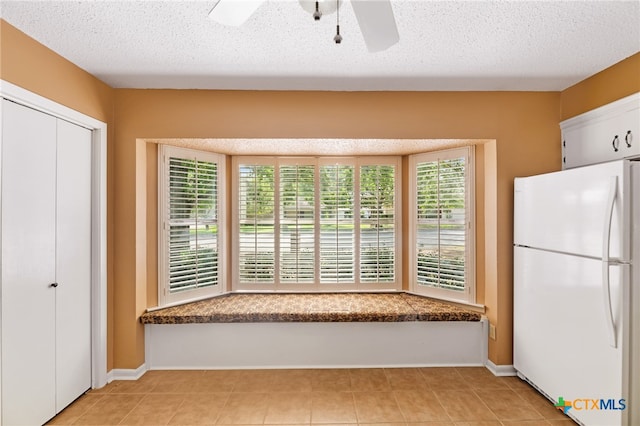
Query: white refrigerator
(577, 289)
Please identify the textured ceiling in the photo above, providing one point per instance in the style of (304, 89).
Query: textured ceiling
(444, 45)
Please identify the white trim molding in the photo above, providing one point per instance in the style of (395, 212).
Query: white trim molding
(99, 216)
(126, 373)
(501, 370)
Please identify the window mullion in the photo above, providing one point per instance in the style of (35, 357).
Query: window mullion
(317, 225)
(357, 228)
(439, 227)
(196, 219)
(276, 225)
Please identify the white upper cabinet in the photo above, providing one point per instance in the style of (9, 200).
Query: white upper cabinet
(611, 132)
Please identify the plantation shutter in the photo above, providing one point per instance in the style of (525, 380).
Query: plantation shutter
(297, 223)
(192, 224)
(256, 208)
(377, 223)
(441, 223)
(337, 245)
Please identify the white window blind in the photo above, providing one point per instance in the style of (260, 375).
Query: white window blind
(442, 221)
(337, 224)
(189, 217)
(297, 223)
(314, 224)
(377, 223)
(257, 221)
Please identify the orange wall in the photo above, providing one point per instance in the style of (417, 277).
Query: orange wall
(615, 82)
(524, 125)
(30, 65)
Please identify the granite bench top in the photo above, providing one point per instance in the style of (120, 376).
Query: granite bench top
(307, 307)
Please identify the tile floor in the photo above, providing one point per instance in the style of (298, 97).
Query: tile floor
(402, 396)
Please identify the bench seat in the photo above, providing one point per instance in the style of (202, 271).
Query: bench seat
(317, 307)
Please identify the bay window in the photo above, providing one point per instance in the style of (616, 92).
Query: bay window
(442, 224)
(190, 198)
(321, 224)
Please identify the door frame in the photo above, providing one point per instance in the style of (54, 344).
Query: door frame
(98, 216)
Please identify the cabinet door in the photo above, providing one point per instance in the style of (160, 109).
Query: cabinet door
(593, 138)
(28, 265)
(73, 263)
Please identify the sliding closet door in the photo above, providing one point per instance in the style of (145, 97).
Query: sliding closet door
(73, 263)
(28, 265)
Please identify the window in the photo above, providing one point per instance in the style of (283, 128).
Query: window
(441, 202)
(316, 223)
(190, 198)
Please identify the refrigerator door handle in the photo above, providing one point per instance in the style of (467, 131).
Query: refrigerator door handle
(606, 283)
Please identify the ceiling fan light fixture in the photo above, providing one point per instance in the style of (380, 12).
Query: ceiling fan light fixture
(323, 7)
(338, 37)
(317, 14)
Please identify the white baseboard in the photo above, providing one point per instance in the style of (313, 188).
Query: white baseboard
(126, 374)
(500, 370)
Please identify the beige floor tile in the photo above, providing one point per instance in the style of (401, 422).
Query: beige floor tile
(254, 381)
(405, 379)
(73, 412)
(154, 409)
(247, 408)
(415, 397)
(464, 405)
(132, 386)
(333, 407)
(200, 409)
(481, 378)
(168, 376)
(110, 409)
(479, 423)
(384, 424)
(443, 378)
(437, 423)
(377, 407)
(336, 424)
(541, 404)
(508, 405)
(288, 408)
(516, 383)
(420, 406)
(205, 383)
(369, 379)
(330, 380)
(290, 381)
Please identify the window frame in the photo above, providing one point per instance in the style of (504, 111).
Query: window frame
(316, 286)
(468, 295)
(165, 296)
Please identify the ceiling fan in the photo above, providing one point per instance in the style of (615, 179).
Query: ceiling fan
(375, 17)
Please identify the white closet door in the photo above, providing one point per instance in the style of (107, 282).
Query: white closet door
(73, 265)
(28, 265)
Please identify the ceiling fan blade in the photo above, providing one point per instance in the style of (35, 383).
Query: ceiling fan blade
(377, 23)
(234, 12)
